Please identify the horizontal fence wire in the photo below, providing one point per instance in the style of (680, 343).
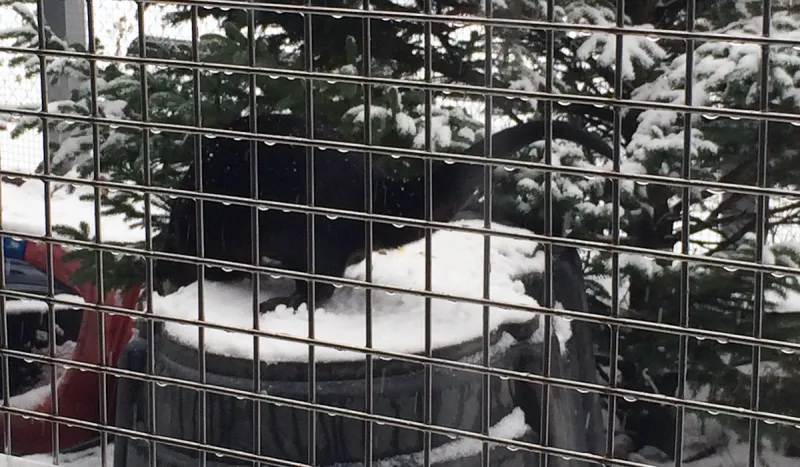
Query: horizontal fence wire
(346, 146)
(619, 334)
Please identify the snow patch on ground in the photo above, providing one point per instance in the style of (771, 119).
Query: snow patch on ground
(398, 319)
(511, 427)
(40, 306)
(29, 400)
(738, 455)
(88, 458)
(40, 390)
(23, 211)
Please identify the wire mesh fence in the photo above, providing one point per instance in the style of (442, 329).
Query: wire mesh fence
(455, 233)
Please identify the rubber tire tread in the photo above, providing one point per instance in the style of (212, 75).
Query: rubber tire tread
(456, 399)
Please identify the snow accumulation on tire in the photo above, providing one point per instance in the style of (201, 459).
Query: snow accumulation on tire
(28, 326)
(399, 385)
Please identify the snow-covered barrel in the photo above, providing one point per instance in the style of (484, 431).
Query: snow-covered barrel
(398, 385)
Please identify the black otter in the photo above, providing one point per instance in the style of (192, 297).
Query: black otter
(339, 184)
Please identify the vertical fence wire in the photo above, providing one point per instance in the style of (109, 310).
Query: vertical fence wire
(4, 368)
(486, 388)
(547, 293)
(311, 242)
(99, 279)
(145, 151)
(427, 411)
(614, 353)
(685, 290)
(369, 364)
(197, 147)
(48, 222)
(254, 229)
(761, 228)
(4, 365)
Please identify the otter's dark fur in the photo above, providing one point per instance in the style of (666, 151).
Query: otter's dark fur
(339, 184)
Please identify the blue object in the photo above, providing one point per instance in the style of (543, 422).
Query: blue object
(24, 277)
(13, 248)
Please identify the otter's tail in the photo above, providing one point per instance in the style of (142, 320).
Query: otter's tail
(454, 185)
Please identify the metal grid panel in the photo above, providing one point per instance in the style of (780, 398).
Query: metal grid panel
(689, 251)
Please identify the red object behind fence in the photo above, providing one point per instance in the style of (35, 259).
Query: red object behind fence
(78, 392)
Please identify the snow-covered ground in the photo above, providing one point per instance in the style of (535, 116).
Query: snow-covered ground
(511, 427)
(733, 456)
(738, 455)
(31, 306)
(88, 458)
(23, 211)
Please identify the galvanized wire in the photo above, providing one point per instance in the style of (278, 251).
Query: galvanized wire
(686, 172)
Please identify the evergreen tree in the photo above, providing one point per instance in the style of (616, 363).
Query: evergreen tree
(721, 225)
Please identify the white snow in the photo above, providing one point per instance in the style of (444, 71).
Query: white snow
(113, 108)
(405, 124)
(31, 399)
(624, 288)
(602, 46)
(23, 211)
(375, 111)
(737, 455)
(398, 319)
(467, 134)
(726, 74)
(32, 306)
(524, 84)
(768, 256)
(75, 148)
(349, 70)
(441, 134)
(788, 304)
(646, 265)
(510, 427)
(40, 390)
(88, 458)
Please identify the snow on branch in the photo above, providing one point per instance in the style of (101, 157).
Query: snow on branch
(451, 126)
(602, 47)
(727, 73)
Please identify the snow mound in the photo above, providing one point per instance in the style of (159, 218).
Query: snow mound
(398, 319)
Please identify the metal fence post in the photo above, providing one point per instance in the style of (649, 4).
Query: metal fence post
(67, 20)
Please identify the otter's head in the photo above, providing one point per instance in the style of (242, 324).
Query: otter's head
(170, 275)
